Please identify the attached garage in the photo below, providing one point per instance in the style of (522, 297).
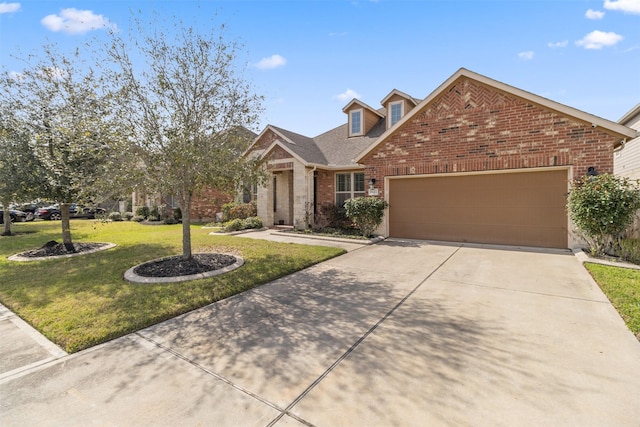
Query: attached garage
(524, 208)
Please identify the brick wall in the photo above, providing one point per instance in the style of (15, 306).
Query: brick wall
(473, 127)
(266, 140)
(325, 191)
(209, 202)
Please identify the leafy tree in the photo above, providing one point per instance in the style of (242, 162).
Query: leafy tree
(19, 168)
(366, 213)
(189, 108)
(68, 114)
(602, 207)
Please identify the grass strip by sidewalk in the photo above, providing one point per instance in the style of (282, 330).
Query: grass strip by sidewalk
(622, 287)
(82, 301)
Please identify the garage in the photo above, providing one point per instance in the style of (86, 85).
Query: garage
(523, 208)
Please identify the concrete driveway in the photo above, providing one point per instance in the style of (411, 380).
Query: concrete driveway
(399, 333)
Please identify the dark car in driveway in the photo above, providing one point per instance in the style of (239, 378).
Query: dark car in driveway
(16, 216)
(53, 213)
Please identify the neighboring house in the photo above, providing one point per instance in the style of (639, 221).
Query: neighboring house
(626, 160)
(475, 161)
(206, 204)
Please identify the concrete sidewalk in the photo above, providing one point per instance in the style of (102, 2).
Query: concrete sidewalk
(398, 333)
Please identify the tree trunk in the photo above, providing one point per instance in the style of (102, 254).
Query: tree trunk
(6, 217)
(186, 226)
(66, 227)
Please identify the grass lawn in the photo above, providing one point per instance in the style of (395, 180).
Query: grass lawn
(82, 301)
(622, 287)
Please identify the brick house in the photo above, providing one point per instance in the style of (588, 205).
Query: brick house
(475, 161)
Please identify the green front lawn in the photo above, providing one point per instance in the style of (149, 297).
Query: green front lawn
(622, 287)
(82, 301)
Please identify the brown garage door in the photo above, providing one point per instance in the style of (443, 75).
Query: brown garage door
(523, 208)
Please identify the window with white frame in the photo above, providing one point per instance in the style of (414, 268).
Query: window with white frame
(355, 122)
(349, 185)
(395, 113)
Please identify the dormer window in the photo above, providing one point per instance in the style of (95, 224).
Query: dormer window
(355, 122)
(395, 112)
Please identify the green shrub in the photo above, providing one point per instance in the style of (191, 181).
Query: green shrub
(127, 215)
(142, 211)
(602, 207)
(154, 214)
(330, 215)
(115, 216)
(137, 218)
(630, 250)
(242, 224)
(177, 214)
(366, 213)
(234, 210)
(233, 225)
(252, 222)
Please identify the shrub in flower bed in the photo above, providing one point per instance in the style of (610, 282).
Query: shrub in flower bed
(630, 250)
(115, 216)
(242, 224)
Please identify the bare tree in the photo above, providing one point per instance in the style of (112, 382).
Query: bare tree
(68, 115)
(185, 101)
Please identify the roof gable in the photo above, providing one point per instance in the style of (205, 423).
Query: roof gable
(299, 146)
(396, 92)
(355, 103)
(501, 93)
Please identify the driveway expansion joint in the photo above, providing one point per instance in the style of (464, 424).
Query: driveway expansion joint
(359, 341)
(209, 372)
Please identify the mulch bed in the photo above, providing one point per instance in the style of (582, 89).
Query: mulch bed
(177, 266)
(54, 248)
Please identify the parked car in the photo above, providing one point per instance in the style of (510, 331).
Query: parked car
(75, 212)
(50, 213)
(32, 207)
(16, 216)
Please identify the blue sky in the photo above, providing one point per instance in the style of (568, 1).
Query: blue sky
(310, 58)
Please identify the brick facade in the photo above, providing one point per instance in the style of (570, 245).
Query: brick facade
(325, 187)
(472, 127)
(209, 202)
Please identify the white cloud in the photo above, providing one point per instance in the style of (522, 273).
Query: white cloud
(594, 14)
(9, 7)
(554, 45)
(626, 6)
(54, 73)
(14, 75)
(348, 95)
(74, 21)
(599, 39)
(526, 56)
(274, 61)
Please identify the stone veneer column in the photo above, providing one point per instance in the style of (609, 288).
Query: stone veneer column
(300, 196)
(265, 202)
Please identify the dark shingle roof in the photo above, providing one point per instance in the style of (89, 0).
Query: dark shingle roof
(334, 147)
(340, 150)
(303, 146)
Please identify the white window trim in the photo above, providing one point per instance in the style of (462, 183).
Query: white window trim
(401, 111)
(352, 186)
(361, 111)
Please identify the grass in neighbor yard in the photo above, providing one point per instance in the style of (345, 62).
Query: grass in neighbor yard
(82, 301)
(622, 287)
